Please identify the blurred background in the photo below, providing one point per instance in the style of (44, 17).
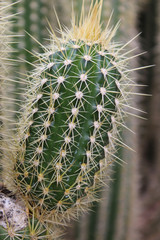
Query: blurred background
(130, 205)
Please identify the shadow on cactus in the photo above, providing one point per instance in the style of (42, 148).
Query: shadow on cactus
(68, 130)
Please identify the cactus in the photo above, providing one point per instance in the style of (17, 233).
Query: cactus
(29, 19)
(5, 49)
(67, 135)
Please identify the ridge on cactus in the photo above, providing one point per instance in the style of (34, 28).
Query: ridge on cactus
(68, 131)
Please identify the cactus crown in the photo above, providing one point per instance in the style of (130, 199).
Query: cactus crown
(89, 27)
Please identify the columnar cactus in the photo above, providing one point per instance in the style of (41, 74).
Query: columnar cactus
(66, 137)
(5, 49)
(30, 21)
